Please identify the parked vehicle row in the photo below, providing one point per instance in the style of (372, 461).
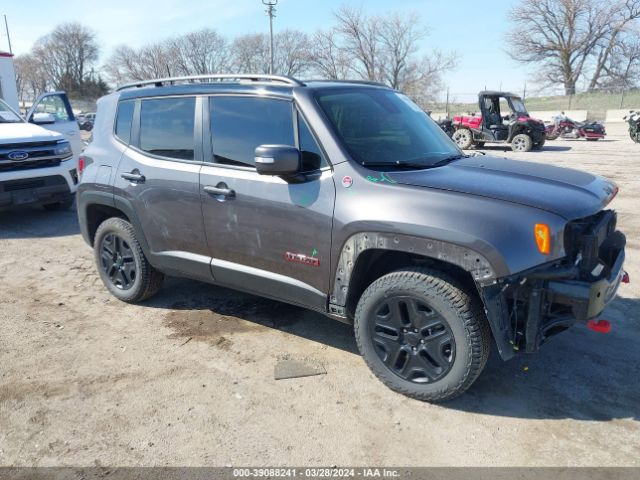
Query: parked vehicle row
(345, 198)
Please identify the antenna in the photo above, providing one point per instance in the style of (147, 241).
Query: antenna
(6, 26)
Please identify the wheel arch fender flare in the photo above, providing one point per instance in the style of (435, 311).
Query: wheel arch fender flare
(480, 268)
(87, 199)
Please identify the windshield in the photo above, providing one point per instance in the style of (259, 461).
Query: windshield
(7, 114)
(383, 127)
(518, 105)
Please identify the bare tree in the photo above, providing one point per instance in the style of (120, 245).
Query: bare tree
(384, 49)
(562, 36)
(250, 53)
(623, 68)
(361, 41)
(31, 79)
(622, 15)
(67, 54)
(327, 58)
(200, 52)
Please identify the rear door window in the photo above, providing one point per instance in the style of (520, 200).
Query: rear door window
(240, 124)
(167, 127)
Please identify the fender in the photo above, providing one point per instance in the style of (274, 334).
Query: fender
(469, 260)
(110, 200)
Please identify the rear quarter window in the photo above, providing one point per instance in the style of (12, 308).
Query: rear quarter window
(124, 120)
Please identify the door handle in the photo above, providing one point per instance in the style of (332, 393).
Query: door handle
(225, 192)
(133, 177)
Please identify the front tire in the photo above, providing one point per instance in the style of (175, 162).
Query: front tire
(463, 138)
(422, 334)
(521, 143)
(121, 263)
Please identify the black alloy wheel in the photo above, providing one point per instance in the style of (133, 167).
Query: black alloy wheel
(412, 339)
(118, 261)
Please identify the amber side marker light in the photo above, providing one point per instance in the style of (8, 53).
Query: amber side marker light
(543, 237)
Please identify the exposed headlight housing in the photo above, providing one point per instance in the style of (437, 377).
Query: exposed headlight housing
(63, 149)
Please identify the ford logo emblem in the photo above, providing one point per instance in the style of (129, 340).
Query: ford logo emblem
(18, 156)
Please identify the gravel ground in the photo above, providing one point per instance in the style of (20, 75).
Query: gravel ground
(187, 378)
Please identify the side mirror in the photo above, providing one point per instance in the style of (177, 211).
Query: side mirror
(43, 118)
(279, 160)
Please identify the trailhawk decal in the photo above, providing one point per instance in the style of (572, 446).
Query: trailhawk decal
(312, 261)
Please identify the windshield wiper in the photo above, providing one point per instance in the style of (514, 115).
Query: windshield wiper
(449, 159)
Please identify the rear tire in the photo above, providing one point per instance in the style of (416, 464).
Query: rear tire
(540, 144)
(121, 263)
(521, 143)
(463, 138)
(422, 334)
(65, 204)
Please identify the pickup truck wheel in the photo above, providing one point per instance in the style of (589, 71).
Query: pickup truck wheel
(65, 204)
(463, 138)
(521, 143)
(122, 265)
(422, 334)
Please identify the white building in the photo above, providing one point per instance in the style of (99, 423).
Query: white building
(8, 88)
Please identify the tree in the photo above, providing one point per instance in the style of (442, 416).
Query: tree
(31, 79)
(199, 53)
(383, 49)
(623, 15)
(291, 53)
(562, 36)
(67, 54)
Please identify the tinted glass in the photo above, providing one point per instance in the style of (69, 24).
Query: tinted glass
(385, 127)
(124, 121)
(54, 105)
(166, 127)
(240, 124)
(312, 158)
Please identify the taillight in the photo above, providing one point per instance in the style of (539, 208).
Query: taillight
(543, 237)
(80, 165)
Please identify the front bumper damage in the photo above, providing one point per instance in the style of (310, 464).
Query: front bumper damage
(528, 308)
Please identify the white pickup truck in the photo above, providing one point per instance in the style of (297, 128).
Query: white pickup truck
(39, 156)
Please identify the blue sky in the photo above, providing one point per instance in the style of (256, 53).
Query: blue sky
(468, 27)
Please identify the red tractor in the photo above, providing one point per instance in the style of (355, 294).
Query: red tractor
(503, 118)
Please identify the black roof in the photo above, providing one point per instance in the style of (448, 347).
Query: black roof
(495, 93)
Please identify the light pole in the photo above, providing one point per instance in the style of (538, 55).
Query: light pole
(271, 9)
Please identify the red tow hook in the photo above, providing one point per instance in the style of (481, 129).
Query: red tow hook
(625, 278)
(600, 326)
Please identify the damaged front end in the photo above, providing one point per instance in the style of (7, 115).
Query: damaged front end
(528, 308)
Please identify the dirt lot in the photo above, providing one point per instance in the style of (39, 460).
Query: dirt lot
(187, 378)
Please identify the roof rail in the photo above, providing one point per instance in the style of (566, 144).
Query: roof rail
(357, 82)
(159, 82)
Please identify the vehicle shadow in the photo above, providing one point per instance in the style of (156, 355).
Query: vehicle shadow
(579, 374)
(35, 222)
(194, 310)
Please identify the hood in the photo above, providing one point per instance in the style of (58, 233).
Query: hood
(569, 193)
(25, 132)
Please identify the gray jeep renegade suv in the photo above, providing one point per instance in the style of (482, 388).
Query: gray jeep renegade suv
(346, 198)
